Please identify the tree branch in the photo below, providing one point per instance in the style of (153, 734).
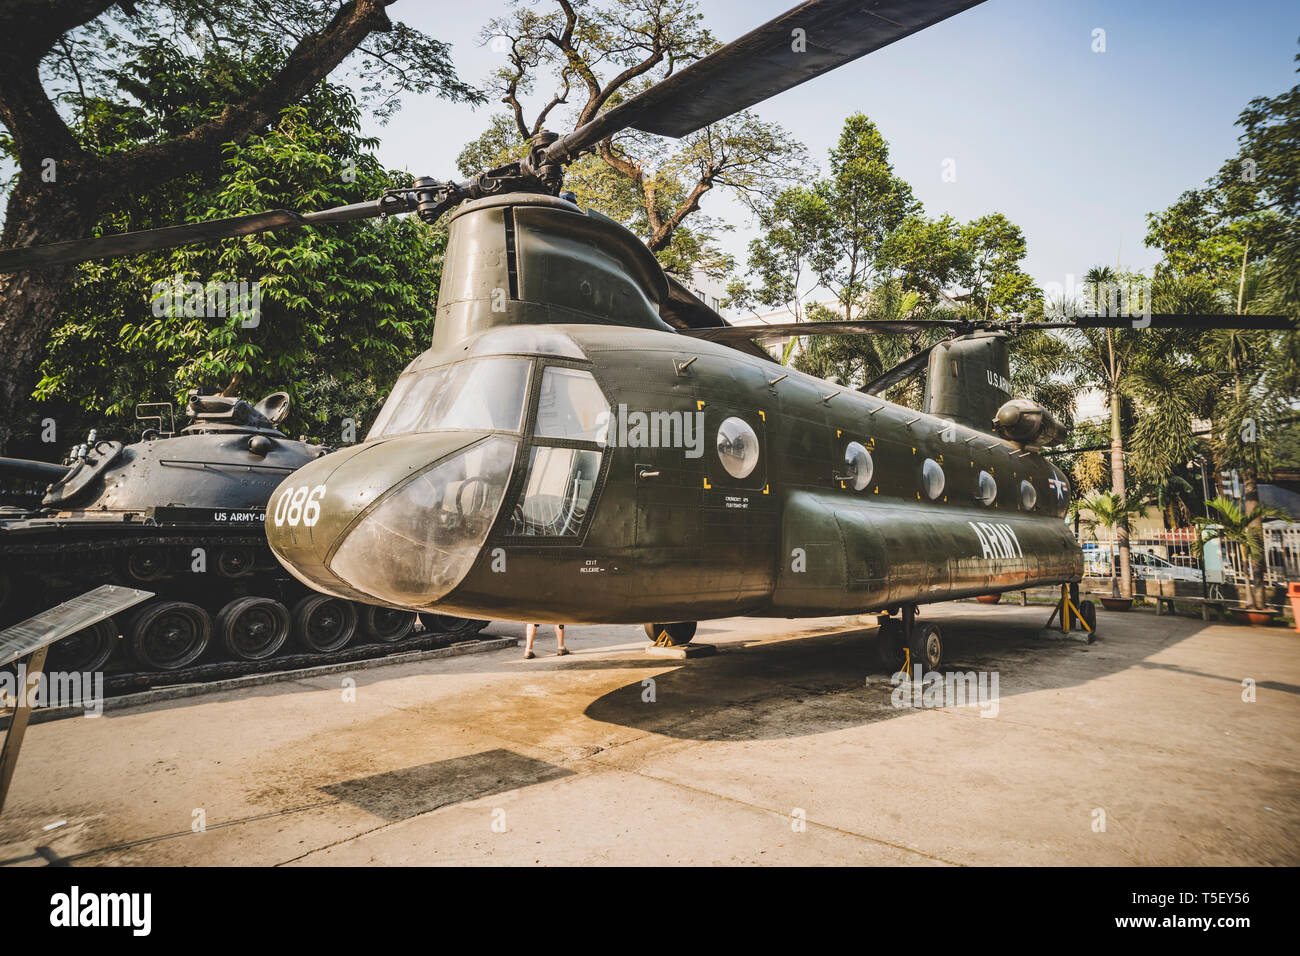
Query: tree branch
(310, 62)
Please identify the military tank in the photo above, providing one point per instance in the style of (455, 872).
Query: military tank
(182, 515)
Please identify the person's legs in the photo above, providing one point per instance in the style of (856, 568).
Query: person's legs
(559, 640)
(531, 633)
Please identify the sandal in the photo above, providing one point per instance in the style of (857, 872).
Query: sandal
(529, 655)
(561, 651)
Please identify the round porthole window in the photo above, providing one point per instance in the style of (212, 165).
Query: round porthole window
(858, 464)
(737, 447)
(932, 480)
(1028, 496)
(987, 492)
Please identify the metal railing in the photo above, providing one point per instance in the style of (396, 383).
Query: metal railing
(1171, 555)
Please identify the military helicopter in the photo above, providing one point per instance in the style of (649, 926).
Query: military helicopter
(587, 442)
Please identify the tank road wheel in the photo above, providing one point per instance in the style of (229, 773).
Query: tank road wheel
(1088, 611)
(235, 562)
(386, 625)
(323, 624)
(889, 645)
(670, 635)
(253, 628)
(87, 650)
(169, 635)
(146, 564)
(927, 648)
(441, 625)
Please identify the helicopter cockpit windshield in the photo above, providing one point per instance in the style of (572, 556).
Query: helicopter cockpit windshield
(481, 394)
(421, 537)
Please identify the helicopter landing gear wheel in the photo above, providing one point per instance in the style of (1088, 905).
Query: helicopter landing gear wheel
(386, 625)
(253, 628)
(926, 645)
(169, 635)
(671, 635)
(322, 624)
(889, 645)
(87, 650)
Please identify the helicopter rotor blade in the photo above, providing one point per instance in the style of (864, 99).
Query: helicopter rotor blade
(735, 333)
(168, 237)
(903, 370)
(795, 47)
(740, 333)
(1163, 320)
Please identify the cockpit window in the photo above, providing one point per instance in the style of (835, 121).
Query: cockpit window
(571, 406)
(525, 338)
(480, 394)
(559, 489)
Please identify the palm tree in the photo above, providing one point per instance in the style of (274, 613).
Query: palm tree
(1102, 357)
(1234, 524)
(1112, 512)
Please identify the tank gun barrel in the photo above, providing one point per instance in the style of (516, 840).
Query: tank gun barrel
(31, 470)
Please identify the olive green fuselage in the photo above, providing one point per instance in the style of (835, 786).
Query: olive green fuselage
(667, 536)
(650, 524)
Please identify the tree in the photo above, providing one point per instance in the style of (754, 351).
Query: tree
(62, 62)
(1103, 357)
(1234, 246)
(340, 313)
(1112, 511)
(1230, 523)
(592, 55)
(998, 287)
(857, 234)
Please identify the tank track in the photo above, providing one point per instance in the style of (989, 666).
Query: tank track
(45, 560)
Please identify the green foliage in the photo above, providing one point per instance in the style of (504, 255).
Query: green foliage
(343, 308)
(860, 234)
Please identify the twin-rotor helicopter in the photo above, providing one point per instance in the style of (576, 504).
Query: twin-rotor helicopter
(587, 442)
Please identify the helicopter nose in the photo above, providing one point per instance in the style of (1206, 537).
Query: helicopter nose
(399, 520)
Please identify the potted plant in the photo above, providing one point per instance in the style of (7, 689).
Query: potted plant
(1109, 511)
(1232, 524)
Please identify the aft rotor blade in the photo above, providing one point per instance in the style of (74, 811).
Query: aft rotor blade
(167, 237)
(1168, 321)
(903, 370)
(740, 333)
(797, 46)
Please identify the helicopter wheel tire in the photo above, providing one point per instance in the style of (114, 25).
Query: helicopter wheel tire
(1088, 611)
(253, 628)
(86, 650)
(671, 635)
(169, 635)
(926, 645)
(386, 625)
(889, 645)
(322, 624)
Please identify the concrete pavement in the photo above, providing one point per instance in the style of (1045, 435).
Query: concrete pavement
(784, 748)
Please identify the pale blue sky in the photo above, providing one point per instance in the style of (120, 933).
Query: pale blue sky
(1074, 146)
